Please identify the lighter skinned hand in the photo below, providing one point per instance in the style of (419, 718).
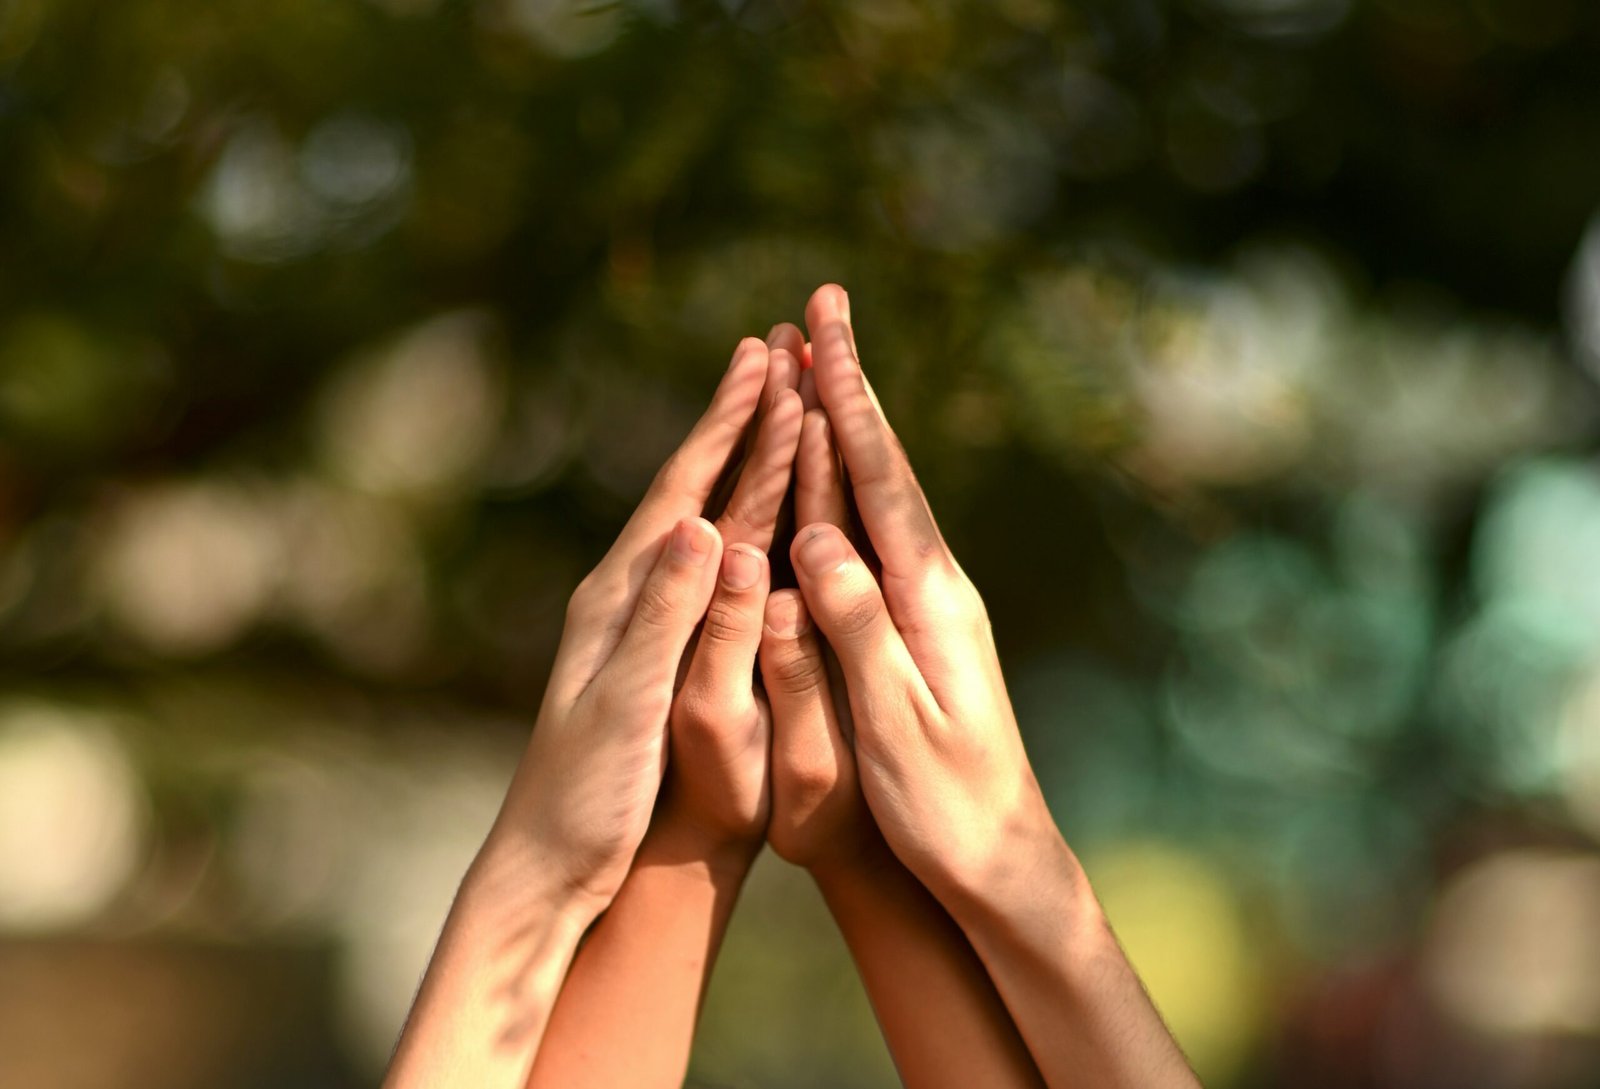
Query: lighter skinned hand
(583, 794)
(938, 753)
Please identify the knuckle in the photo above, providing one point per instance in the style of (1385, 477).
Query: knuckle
(794, 670)
(583, 603)
(748, 519)
(598, 607)
(735, 518)
(629, 701)
(658, 605)
(726, 622)
(928, 544)
(979, 612)
(944, 593)
(968, 603)
(670, 472)
(807, 779)
(956, 743)
(855, 616)
(696, 713)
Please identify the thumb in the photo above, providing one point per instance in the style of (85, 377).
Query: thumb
(848, 607)
(671, 603)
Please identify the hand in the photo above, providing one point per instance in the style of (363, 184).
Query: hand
(717, 793)
(582, 797)
(626, 1012)
(939, 755)
(819, 819)
(940, 1014)
(941, 761)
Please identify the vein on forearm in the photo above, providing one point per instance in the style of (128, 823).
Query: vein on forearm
(1074, 996)
(491, 983)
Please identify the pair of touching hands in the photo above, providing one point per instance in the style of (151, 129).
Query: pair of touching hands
(663, 641)
(858, 723)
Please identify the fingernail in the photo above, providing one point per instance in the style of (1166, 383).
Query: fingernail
(740, 569)
(691, 542)
(838, 302)
(772, 337)
(786, 616)
(823, 550)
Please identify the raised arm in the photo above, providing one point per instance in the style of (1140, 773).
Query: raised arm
(941, 762)
(945, 1026)
(627, 1012)
(581, 799)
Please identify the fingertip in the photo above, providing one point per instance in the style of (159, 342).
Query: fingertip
(669, 605)
(694, 540)
(745, 354)
(819, 549)
(787, 404)
(836, 370)
(786, 614)
(743, 566)
(786, 335)
(740, 388)
(830, 302)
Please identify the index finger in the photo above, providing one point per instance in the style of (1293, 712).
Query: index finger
(684, 484)
(893, 508)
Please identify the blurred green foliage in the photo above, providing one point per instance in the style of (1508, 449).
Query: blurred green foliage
(1240, 345)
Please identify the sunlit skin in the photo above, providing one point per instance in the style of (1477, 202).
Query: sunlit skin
(581, 800)
(941, 1017)
(940, 760)
(626, 1013)
(883, 756)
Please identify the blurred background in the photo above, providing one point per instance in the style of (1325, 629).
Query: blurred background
(1247, 350)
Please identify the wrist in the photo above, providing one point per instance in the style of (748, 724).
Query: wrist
(862, 861)
(677, 840)
(1030, 864)
(511, 931)
(1038, 887)
(517, 876)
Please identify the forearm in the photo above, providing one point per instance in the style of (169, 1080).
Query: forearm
(626, 1014)
(943, 1021)
(1078, 1002)
(489, 988)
